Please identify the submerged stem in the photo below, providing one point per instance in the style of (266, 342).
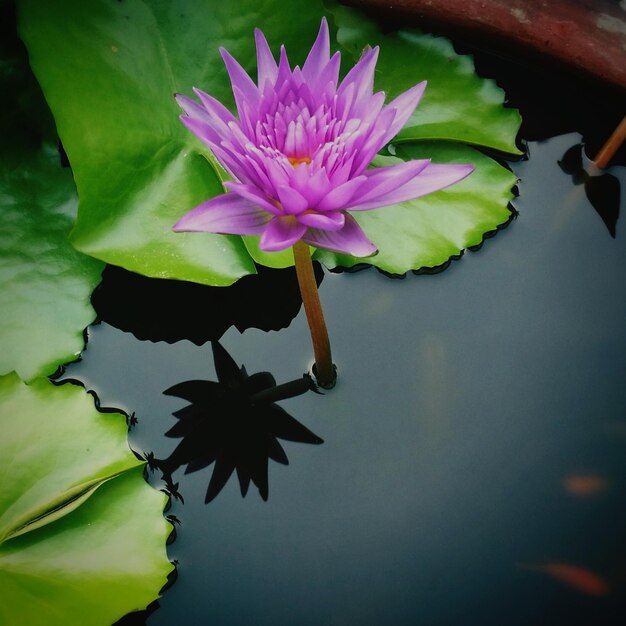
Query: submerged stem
(324, 369)
(611, 146)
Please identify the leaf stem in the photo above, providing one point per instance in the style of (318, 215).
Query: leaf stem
(611, 146)
(324, 369)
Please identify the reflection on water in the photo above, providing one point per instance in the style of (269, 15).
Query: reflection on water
(585, 485)
(445, 492)
(578, 578)
(602, 189)
(233, 423)
(171, 310)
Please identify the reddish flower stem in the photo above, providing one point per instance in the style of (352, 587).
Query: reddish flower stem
(324, 369)
(611, 146)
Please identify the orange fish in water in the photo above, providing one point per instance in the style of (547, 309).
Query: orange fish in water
(584, 484)
(578, 578)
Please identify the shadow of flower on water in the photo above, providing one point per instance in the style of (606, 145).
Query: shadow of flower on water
(602, 189)
(234, 424)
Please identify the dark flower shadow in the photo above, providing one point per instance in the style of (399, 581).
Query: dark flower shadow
(234, 424)
(602, 189)
(170, 310)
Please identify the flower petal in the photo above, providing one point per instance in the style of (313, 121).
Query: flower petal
(247, 90)
(282, 232)
(236, 164)
(404, 104)
(202, 130)
(328, 74)
(349, 240)
(332, 220)
(311, 186)
(191, 107)
(373, 108)
(276, 174)
(228, 214)
(432, 178)
(340, 196)
(382, 180)
(300, 148)
(253, 194)
(319, 56)
(374, 142)
(267, 70)
(284, 71)
(219, 113)
(362, 77)
(292, 201)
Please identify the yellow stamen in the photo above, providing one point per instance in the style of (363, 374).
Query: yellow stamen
(295, 161)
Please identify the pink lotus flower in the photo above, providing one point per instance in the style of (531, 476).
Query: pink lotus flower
(300, 150)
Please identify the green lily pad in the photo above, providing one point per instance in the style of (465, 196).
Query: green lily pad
(138, 169)
(45, 283)
(82, 535)
(457, 105)
(428, 231)
(109, 71)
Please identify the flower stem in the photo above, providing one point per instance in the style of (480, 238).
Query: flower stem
(324, 369)
(611, 146)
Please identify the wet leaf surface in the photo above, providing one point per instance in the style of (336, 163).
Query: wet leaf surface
(138, 169)
(428, 231)
(81, 533)
(457, 105)
(45, 283)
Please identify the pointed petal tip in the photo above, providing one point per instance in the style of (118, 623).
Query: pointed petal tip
(324, 28)
(466, 169)
(178, 228)
(368, 52)
(419, 89)
(373, 251)
(260, 39)
(369, 256)
(227, 57)
(182, 100)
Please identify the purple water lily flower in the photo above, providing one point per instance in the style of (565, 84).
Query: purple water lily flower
(300, 150)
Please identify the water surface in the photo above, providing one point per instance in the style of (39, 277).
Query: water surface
(477, 434)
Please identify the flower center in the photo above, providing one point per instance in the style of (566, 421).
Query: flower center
(295, 161)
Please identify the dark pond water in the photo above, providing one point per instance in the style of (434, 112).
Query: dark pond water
(474, 447)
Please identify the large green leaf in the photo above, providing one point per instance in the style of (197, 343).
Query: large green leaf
(457, 104)
(82, 535)
(45, 283)
(428, 231)
(109, 71)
